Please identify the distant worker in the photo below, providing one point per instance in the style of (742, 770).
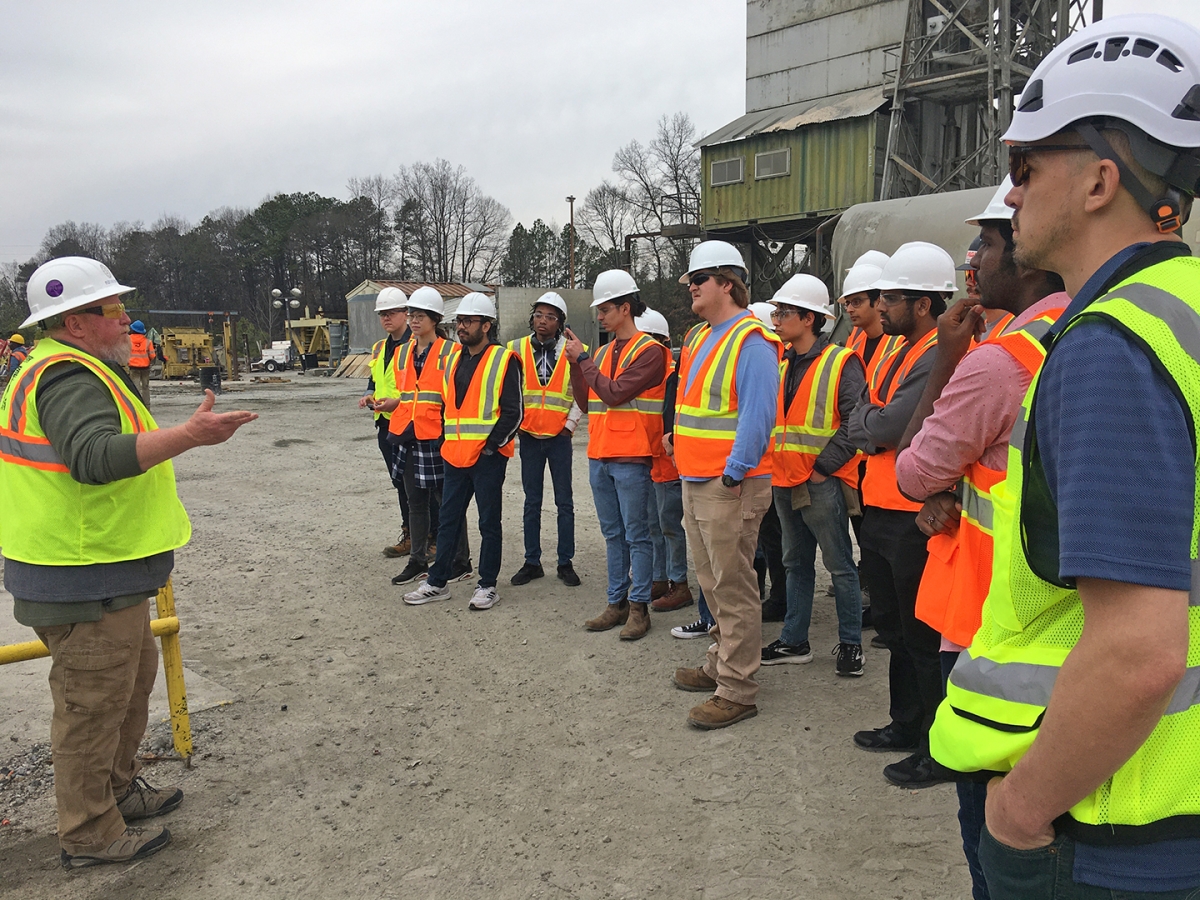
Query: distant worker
(89, 522)
(17, 352)
(481, 395)
(1077, 699)
(551, 416)
(391, 307)
(813, 464)
(669, 587)
(618, 386)
(728, 396)
(141, 355)
(914, 287)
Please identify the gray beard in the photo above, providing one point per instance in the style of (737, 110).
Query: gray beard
(118, 351)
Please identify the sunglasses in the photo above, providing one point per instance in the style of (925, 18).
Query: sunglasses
(1018, 157)
(972, 278)
(108, 310)
(699, 278)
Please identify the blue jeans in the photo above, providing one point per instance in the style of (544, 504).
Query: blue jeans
(536, 453)
(621, 492)
(972, 797)
(825, 524)
(666, 532)
(485, 481)
(702, 607)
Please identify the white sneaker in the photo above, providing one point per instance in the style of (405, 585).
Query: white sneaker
(484, 598)
(426, 593)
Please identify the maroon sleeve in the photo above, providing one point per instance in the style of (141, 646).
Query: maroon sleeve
(647, 371)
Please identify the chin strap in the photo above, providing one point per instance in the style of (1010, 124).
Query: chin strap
(1166, 212)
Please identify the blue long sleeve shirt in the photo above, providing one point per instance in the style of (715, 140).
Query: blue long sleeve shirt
(757, 385)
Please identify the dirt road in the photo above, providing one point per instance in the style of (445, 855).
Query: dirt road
(376, 750)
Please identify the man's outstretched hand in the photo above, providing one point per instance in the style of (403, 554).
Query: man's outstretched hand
(206, 427)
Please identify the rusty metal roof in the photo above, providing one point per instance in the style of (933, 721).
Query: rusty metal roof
(797, 115)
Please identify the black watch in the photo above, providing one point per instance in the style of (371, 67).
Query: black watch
(582, 356)
(730, 482)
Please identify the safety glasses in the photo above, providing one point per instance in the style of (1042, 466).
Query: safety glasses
(1018, 157)
(895, 299)
(699, 278)
(108, 310)
(972, 278)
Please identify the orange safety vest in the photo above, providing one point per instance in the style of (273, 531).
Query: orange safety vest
(662, 469)
(623, 430)
(421, 395)
(142, 352)
(546, 405)
(879, 486)
(805, 428)
(958, 572)
(689, 341)
(706, 412)
(857, 341)
(467, 426)
(995, 328)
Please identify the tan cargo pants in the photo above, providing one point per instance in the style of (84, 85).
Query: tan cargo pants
(101, 676)
(722, 531)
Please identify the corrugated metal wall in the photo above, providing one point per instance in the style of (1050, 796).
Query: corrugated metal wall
(832, 168)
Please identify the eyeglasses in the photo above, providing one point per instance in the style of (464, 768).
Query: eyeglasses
(1018, 157)
(384, 313)
(854, 302)
(699, 278)
(108, 310)
(895, 299)
(417, 316)
(778, 315)
(471, 320)
(540, 316)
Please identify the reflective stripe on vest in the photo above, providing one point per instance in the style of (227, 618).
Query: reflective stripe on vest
(999, 690)
(662, 469)
(879, 486)
(382, 375)
(805, 428)
(622, 430)
(706, 411)
(141, 351)
(468, 426)
(959, 568)
(546, 405)
(46, 517)
(857, 341)
(421, 395)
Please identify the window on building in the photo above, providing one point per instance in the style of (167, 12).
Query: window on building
(774, 164)
(727, 171)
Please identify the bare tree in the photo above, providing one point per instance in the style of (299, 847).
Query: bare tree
(606, 216)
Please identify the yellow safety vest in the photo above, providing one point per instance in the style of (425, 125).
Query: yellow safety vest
(1000, 688)
(383, 378)
(48, 518)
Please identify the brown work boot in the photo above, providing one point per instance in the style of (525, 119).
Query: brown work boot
(694, 680)
(717, 712)
(659, 589)
(639, 622)
(402, 547)
(135, 843)
(679, 596)
(144, 802)
(614, 614)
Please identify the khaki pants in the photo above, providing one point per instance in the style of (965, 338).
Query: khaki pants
(722, 531)
(101, 676)
(141, 380)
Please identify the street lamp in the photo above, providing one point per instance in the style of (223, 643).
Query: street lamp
(293, 303)
(571, 200)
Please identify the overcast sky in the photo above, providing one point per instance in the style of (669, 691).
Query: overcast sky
(130, 110)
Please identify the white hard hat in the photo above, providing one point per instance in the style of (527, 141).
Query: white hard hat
(550, 298)
(918, 266)
(996, 209)
(428, 299)
(762, 311)
(1141, 69)
(875, 258)
(68, 283)
(474, 304)
(861, 277)
(611, 285)
(804, 292)
(390, 298)
(653, 322)
(713, 255)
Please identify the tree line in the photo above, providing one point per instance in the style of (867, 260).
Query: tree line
(429, 222)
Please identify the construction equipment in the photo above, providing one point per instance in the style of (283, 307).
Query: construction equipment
(318, 338)
(280, 355)
(185, 351)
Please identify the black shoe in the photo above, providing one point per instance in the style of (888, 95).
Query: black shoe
(772, 612)
(879, 643)
(917, 771)
(890, 738)
(460, 573)
(849, 659)
(566, 574)
(411, 572)
(526, 574)
(868, 618)
(778, 652)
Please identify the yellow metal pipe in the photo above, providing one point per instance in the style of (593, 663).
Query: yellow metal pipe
(13, 653)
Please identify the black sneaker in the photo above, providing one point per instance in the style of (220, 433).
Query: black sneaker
(917, 771)
(777, 652)
(412, 572)
(849, 659)
(879, 643)
(697, 629)
(460, 573)
(887, 739)
(526, 574)
(566, 574)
